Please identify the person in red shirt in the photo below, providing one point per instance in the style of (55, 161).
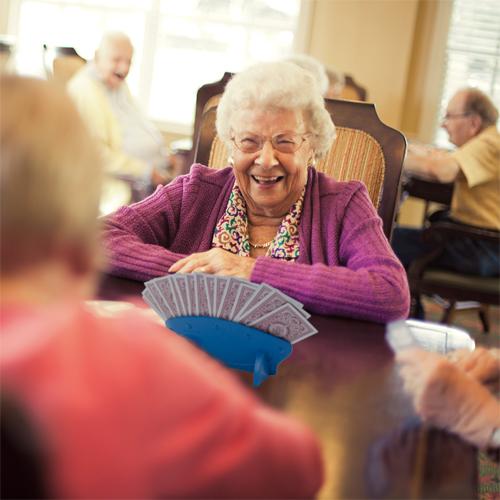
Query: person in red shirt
(121, 407)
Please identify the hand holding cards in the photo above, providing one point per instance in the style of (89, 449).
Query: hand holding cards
(404, 334)
(399, 336)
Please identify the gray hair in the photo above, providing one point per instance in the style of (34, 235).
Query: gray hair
(111, 38)
(314, 67)
(476, 101)
(277, 85)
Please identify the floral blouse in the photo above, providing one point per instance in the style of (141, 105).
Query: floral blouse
(231, 232)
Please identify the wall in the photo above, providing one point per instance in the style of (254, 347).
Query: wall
(394, 48)
(371, 40)
(426, 69)
(4, 15)
(384, 44)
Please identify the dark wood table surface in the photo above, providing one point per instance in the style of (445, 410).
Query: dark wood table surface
(425, 188)
(343, 383)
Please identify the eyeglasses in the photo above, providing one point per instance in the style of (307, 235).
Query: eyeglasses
(286, 142)
(452, 116)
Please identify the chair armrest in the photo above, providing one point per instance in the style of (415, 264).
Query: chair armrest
(439, 233)
(443, 231)
(427, 189)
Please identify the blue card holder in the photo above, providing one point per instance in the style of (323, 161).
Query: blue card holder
(234, 344)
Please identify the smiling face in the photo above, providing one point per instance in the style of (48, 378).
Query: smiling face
(270, 180)
(113, 60)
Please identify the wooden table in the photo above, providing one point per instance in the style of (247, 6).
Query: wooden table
(425, 188)
(344, 384)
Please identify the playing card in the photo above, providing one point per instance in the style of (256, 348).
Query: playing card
(151, 301)
(245, 291)
(261, 292)
(294, 302)
(192, 294)
(268, 302)
(399, 337)
(210, 291)
(181, 292)
(230, 296)
(285, 322)
(164, 289)
(203, 302)
(221, 283)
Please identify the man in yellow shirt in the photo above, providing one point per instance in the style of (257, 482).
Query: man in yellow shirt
(474, 167)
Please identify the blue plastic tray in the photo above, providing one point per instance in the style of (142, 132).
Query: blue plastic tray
(236, 345)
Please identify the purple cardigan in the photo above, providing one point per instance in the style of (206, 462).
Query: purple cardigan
(346, 266)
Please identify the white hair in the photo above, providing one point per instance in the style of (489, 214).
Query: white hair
(277, 85)
(111, 38)
(312, 65)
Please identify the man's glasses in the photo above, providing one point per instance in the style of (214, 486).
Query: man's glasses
(284, 143)
(452, 116)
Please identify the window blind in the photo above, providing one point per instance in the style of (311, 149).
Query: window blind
(472, 53)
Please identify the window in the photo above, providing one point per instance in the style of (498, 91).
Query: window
(472, 53)
(179, 44)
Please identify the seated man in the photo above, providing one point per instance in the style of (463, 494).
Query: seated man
(124, 408)
(474, 167)
(130, 144)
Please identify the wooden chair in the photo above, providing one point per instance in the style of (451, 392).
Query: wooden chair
(365, 149)
(207, 97)
(61, 63)
(6, 49)
(424, 279)
(352, 90)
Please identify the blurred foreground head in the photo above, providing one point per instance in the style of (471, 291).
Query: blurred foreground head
(50, 180)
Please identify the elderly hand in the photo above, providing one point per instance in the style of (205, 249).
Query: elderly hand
(481, 364)
(419, 149)
(215, 261)
(449, 398)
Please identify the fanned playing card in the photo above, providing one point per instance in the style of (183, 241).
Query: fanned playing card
(259, 306)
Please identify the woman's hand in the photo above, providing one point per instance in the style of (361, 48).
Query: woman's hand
(481, 364)
(215, 261)
(449, 398)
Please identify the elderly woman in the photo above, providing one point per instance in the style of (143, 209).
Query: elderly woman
(270, 216)
(123, 407)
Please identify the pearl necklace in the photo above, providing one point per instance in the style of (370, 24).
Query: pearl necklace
(260, 245)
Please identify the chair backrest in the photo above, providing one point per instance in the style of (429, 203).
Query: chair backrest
(207, 97)
(61, 63)
(365, 149)
(6, 49)
(353, 90)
